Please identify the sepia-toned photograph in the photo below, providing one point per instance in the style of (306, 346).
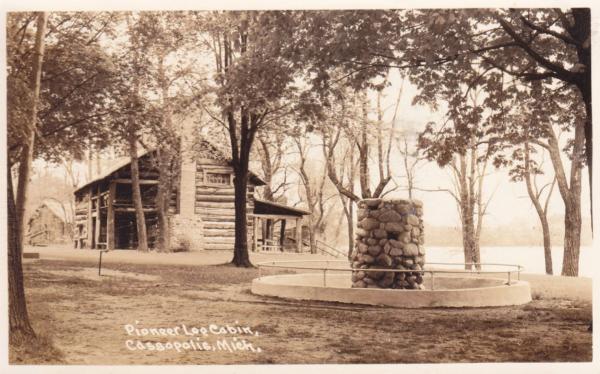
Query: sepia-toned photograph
(302, 186)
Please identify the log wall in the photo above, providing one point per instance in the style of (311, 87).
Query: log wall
(215, 203)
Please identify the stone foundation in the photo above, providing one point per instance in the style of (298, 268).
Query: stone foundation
(389, 236)
(186, 233)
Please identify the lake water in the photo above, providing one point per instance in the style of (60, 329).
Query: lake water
(532, 258)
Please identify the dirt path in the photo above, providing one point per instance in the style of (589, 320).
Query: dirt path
(86, 317)
(213, 257)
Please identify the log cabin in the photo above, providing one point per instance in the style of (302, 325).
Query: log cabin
(51, 223)
(201, 207)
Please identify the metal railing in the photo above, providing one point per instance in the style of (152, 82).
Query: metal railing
(512, 268)
(329, 250)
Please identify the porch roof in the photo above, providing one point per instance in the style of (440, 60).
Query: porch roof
(263, 207)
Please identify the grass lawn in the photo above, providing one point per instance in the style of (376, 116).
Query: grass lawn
(81, 319)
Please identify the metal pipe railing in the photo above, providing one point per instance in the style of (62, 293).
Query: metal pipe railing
(282, 265)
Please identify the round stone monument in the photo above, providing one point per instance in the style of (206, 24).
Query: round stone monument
(389, 236)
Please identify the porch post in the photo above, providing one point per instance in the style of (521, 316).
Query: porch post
(254, 233)
(110, 217)
(88, 229)
(299, 234)
(97, 226)
(282, 234)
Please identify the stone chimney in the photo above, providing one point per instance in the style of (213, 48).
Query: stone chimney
(187, 186)
(186, 227)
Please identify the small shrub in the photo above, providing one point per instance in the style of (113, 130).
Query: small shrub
(185, 245)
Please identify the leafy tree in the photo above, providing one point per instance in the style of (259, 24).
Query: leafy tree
(550, 46)
(55, 109)
(76, 92)
(20, 327)
(312, 178)
(346, 130)
(168, 71)
(540, 123)
(464, 144)
(271, 150)
(255, 86)
(526, 169)
(547, 47)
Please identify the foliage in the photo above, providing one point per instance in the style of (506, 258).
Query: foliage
(77, 90)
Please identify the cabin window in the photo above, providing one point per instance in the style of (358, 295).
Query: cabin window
(217, 178)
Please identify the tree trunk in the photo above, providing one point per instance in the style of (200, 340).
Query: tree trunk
(540, 212)
(466, 217)
(570, 265)
(162, 201)
(350, 219)
(240, 250)
(582, 32)
(269, 229)
(166, 150)
(137, 195)
(547, 245)
(468, 237)
(348, 204)
(19, 324)
(282, 234)
(571, 195)
(312, 238)
(90, 171)
(573, 212)
(20, 327)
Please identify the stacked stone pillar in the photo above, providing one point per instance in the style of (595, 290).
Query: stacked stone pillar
(389, 236)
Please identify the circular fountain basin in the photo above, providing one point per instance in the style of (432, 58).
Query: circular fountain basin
(449, 291)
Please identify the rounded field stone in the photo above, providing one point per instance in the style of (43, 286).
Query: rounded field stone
(403, 209)
(367, 259)
(372, 203)
(361, 233)
(368, 223)
(394, 227)
(395, 252)
(374, 250)
(404, 237)
(411, 219)
(411, 249)
(379, 233)
(384, 259)
(390, 216)
(375, 275)
(362, 213)
(368, 280)
(408, 262)
(386, 280)
(362, 248)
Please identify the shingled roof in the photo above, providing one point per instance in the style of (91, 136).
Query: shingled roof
(201, 148)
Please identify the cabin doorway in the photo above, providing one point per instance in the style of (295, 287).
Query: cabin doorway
(126, 230)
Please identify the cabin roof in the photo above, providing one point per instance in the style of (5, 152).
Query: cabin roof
(118, 164)
(124, 161)
(58, 210)
(270, 207)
